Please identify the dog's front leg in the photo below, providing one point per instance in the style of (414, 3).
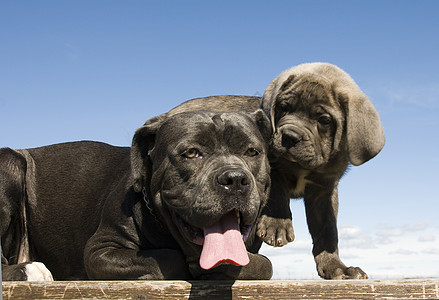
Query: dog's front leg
(275, 226)
(122, 264)
(119, 250)
(259, 268)
(321, 205)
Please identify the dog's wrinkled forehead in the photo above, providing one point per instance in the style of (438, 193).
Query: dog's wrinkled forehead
(209, 128)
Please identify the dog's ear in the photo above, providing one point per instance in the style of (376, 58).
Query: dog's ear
(365, 134)
(143, 143)
(263, 124)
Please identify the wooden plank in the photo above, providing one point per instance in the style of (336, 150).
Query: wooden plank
(270, 289)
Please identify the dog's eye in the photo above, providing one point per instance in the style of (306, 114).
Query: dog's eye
(324, 119)
(252, 152)
(191, 153)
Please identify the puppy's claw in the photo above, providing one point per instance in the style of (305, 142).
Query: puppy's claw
(290, 237)
(355, 273)
(262, 234)
(274, 231)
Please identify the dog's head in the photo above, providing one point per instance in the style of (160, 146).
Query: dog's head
(203, 170)
(320, 115)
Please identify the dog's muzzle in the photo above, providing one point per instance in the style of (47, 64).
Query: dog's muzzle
(233, 181)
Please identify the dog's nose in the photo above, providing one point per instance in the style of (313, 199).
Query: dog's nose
(290, 138)
(234, 181)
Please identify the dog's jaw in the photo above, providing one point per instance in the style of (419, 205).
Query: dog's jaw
(196, 235)
(222, 242)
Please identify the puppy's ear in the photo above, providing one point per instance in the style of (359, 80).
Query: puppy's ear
(143, 143)
(263, 124)
(365, 134)
(269, 99)
(271, 94)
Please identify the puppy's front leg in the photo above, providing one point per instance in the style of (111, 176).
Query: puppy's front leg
(321, 207)
(275, 226)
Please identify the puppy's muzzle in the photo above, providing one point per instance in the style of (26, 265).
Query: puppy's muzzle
(290, 138)
(233, 181)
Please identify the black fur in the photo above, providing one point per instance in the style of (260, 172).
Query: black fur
(79, 208)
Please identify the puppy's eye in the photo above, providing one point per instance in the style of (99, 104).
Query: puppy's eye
(325, 119)
(284, 106)
(191, 153)
(252, 152)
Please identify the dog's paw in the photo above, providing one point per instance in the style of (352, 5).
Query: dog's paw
(259, 268)
(37, 271)
(275, 232)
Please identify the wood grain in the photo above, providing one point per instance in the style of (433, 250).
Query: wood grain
(270, 289)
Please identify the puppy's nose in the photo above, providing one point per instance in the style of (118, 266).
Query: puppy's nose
(290, 138)
(234, 181)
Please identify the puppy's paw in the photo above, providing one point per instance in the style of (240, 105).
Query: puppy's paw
(37, 271)
(275, 232)
(329, 266)
(343, 273)
(354, 273)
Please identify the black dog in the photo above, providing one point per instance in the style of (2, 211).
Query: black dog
(321, 122)
(188, 185)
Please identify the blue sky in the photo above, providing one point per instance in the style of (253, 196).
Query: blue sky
(96, 70)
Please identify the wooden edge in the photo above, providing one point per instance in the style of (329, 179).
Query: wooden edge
(274, 289)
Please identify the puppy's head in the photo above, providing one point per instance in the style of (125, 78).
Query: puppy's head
(203, 170)
(320, 115)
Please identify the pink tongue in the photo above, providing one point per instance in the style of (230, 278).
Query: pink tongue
(223, 244)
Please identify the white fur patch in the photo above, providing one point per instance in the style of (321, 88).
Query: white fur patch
(301, 183)
(37, 271)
